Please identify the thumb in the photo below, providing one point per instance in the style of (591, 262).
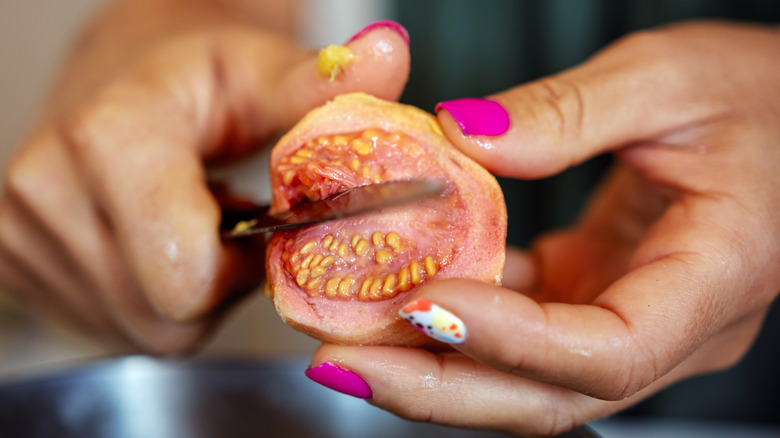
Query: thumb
(640, 87)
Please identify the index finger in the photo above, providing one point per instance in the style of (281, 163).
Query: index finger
(646, 85)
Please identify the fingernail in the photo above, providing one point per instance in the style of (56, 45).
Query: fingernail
(477, 116)
(338, 379)
(390, 24)
(434, 321)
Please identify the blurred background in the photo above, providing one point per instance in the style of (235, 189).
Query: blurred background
(459, 48)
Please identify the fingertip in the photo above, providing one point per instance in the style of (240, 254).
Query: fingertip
(384, 61)
(342, 369)
(435, 321)
(385, 370)
(483, 130)
(477, 116)
(340, 379)
(478, 311)
(383, 24)
(437, 310)
(375, 61)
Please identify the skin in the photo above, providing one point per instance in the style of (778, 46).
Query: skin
(670, 270)
(668, 274)
(162, 89)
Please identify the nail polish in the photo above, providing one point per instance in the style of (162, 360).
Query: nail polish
(477, 116)
(390, 24)
(434, 321)
(338, 379)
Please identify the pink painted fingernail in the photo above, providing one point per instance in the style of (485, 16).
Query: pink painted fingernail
(338, 379)
(390, 24)
(477, 116)
(434, 321)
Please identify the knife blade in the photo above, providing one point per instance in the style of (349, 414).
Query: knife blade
(240, 222)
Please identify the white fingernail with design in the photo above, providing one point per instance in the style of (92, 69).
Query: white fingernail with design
(434, 321)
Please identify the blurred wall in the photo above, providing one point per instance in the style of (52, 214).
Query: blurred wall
(34, 34)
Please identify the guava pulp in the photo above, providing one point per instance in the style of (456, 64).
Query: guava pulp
(344, 281)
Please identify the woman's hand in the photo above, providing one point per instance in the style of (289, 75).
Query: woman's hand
(668, 274)
(106, 214)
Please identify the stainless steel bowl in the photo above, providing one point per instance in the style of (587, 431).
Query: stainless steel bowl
(154, 398)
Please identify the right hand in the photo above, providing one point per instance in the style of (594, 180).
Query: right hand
(668, 274)
(105, 213)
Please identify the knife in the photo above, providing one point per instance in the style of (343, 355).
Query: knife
(240, 222)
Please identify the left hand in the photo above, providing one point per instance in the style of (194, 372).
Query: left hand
(668, 274)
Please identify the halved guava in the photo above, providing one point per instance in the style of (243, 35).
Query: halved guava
(344, 281)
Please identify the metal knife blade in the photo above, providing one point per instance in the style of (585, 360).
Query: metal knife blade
(357, 200)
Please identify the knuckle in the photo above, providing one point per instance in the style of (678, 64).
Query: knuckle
(426, 400)
(650, 44)
(662, 55)
(562, 105)
(417, 412)
(421, 408)
(26, 175)
(18, 172)
(731, 345)
(727, 360)
(84, 129)
(17, 176)
(8, 232)
(555, 422)
(641, 370)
